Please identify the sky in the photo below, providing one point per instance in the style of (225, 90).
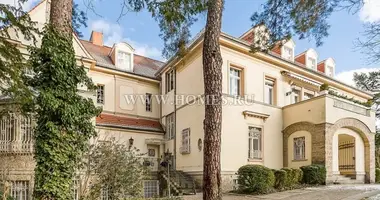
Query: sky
(142, 32)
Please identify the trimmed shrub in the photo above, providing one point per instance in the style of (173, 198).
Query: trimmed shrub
(255, 179)
(281, 178)
(314, 174)
(299, 174)
(377, 177)
(293, 177)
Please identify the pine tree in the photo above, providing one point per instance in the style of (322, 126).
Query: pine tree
(175, 18)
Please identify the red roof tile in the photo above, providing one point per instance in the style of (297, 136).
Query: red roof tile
(142, 65)
(128, 122)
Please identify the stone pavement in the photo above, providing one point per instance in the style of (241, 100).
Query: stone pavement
(332, 192)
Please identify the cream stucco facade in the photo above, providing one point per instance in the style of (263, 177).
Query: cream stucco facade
(273, 111)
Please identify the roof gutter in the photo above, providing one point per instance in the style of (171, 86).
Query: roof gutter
(313, 72)
(261, 55)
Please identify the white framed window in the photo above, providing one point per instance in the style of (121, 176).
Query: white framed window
(330, 71)
(104, 194)
(235, 81)
(20, 190)
(148, 102)
(254, 142)
(151, 188)
(307, 95)
(288, 53)
(312, 63)
(185, 148)
(124, 60)
(296, 96)
(299, 148)
(269, 91)
(100, 94)
(170, 131)
(169, 81)
(76, 191)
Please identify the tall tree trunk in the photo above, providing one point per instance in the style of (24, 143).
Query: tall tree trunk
(212, 75)
(61, 15)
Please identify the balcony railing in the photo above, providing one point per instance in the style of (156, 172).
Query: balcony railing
(352, 107)
(16, 134)
(254, 154)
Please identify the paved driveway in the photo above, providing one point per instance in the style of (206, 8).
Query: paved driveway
(332, 192)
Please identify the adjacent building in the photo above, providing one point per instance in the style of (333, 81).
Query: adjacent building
(274, 113)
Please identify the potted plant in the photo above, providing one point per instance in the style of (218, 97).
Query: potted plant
(324, 89)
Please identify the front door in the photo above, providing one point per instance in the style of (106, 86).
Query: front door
(153, 156)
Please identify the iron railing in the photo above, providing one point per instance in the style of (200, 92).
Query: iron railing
(16, 133)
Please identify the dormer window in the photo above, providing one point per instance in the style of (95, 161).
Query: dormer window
(312, 63)
(330, 71)
(123, 61)
(288, 53)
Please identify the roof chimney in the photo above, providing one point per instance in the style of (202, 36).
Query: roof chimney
(96, 38)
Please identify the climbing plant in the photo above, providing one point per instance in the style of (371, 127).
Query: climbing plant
(64, 117)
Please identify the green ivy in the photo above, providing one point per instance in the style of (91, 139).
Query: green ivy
(64, 118)
(366, 104)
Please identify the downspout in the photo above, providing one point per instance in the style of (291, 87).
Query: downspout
(114, 77)
(160, 114)
(175, 118)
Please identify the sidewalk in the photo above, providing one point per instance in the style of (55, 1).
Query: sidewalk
(332, 192)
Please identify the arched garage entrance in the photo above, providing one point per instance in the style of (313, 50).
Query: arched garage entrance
(349, 154)
(347, 129)
(323, 151)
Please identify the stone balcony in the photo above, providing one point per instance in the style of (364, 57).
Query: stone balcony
(327, 108)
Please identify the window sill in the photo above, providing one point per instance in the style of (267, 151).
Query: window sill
(300, 160)
(255, 159)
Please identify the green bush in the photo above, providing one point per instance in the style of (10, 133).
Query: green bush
(255, 179)
(163, 198)
(377, 177)
(314, 174)
(324, 86)
(281, 179)
(293, 177)
(299, 174)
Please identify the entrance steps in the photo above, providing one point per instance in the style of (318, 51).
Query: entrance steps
(346, 179)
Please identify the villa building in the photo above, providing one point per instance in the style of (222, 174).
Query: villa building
(274, 113)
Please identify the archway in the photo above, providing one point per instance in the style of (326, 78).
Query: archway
(349, 154)
(364, 150)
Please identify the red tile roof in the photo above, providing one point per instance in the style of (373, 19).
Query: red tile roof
(321, 66)
(116, 121)
(142, 65)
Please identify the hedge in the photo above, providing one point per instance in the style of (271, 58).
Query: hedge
(287, 178)
(255, 179)
(281, 179)
(314, 174)
(163, 198)
(377, 177)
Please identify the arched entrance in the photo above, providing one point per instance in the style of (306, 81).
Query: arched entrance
(349, 154)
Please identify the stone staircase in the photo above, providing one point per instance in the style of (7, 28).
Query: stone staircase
(180, 182)
(346, 179)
